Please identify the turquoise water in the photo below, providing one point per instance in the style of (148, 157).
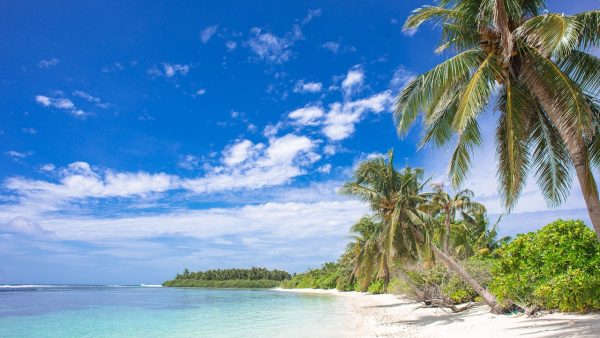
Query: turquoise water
(101, 311)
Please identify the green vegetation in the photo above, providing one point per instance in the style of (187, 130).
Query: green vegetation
(230, 278)
(557, 267)
(329, 276)
(535, 65)
(397, 249)
(231, 283)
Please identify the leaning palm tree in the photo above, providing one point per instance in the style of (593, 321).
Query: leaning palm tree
(546, 87)
(396, 197)
(441, 203)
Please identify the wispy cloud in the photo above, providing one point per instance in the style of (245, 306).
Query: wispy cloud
(61, 103)
(47, 63)
(208, 33)
(307, 87)
(169, 70)
(18, 155)
(271, 48)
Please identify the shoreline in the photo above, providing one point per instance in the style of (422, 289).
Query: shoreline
(388, 315)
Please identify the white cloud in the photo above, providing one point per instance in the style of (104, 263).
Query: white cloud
(307, 116)
(272, 48)
(47, 167)
(239, 152)
(354, 80)
(274, 221)
(17, 155)
(201, 91)
(231, 45)
(332, 46)
(324, 169)
(329, 150)
(79, 181)
(341, 118)
(400, 78)
(255, 166)
(47, 63)
(207, 33)
(30, 131)
(61, 103)
(307, 87)
(169, 70)
(189, 162)
(269, 47)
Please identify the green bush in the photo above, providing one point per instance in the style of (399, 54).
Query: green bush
(439, 282)
(556, 267)
(376, 287)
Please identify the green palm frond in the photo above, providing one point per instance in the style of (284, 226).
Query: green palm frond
(551, 34)
(476, 93)
(512, 133)
(434, 14)
(593, 143)
(460, 163)
(418, 94)
(590, 28)
(567, 96)
(550, 160)
(583, 69)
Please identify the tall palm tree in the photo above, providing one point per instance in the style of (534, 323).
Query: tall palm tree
(441, 203)
(396, 197)
(545, 85)
(378, 183)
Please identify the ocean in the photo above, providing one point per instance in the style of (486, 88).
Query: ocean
(150, 311)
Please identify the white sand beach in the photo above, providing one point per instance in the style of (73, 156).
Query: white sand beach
(393, 316)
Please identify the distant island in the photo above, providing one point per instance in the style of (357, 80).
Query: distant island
(230, 278)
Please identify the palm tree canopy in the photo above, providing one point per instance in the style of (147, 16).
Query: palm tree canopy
(493, 42)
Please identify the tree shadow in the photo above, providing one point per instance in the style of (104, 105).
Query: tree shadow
(559, 327)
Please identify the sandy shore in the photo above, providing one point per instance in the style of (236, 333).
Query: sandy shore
(393, 316)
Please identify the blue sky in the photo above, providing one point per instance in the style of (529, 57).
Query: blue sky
(141, 138)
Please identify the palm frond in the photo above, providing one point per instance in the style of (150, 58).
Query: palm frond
(551, 34)
(550, 159)
(583, 69)
(590, 28)
(512, 133)
(417, 94)
(460, 163)
(567, 96)
(476, 93)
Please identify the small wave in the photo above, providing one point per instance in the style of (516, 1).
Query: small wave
(151, 285)
(28, 286)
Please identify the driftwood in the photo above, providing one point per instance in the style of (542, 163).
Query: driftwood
(444, 304)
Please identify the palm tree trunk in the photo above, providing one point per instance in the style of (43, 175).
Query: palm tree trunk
(386, 274)
(418, 292)
(575, 146)
(455, 266)
(447, 234)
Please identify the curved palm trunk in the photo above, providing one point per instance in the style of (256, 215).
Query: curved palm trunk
(455, 266)
(418, 292)
(575, 146)
(386, 274)
(447, 234)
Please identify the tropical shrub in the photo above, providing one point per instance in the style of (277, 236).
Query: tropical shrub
(556, 267)
(438, 282)
(376, 287)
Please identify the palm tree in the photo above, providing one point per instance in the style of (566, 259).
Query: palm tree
(441, 203)
(545, 85)
(378, 183)
(365, 252)
(396, 197)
